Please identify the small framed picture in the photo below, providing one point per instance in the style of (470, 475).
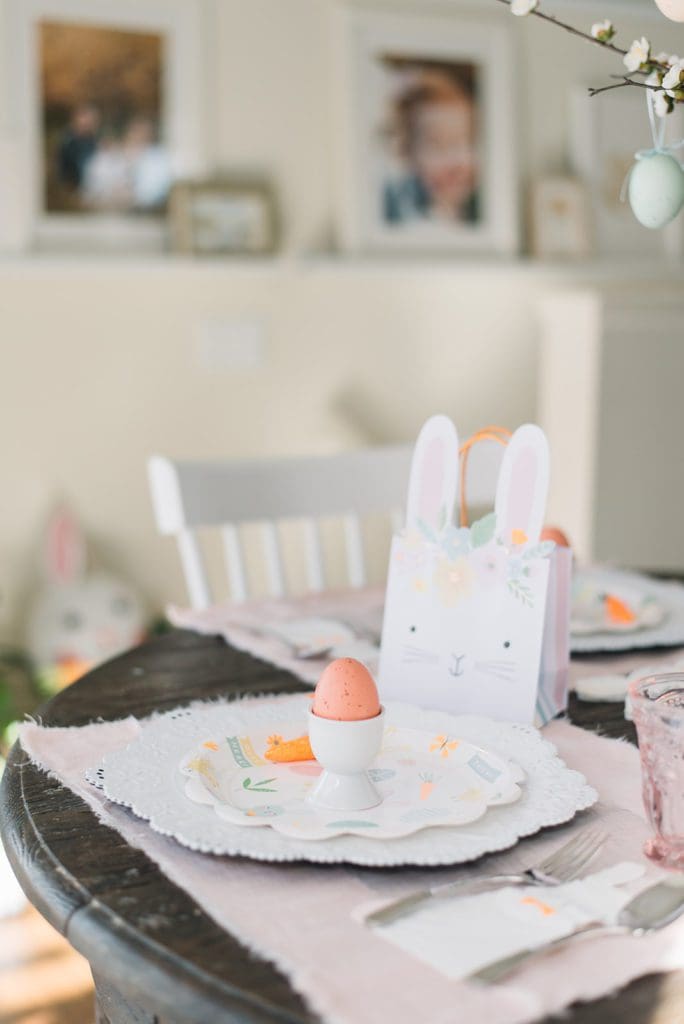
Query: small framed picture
(559, 219)
(212, 218)
(427, 151)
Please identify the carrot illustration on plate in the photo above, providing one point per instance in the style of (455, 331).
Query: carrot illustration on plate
(532, 901)
(618, 611)
(427, 784)
(281, 751)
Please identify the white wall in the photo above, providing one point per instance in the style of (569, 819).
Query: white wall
(98, 359)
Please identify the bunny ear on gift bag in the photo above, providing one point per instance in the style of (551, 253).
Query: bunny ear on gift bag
(433, 483)
(65, 551)
(523, 487)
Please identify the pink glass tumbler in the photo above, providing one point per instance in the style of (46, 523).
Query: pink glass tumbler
(658, 712)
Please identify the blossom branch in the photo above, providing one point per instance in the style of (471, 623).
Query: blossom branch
(624, 81)
(603, 43)
(571, 28)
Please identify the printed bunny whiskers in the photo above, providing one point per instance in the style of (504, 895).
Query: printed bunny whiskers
(466, 606)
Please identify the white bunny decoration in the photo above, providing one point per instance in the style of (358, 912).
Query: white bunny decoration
(78, 619)
(465, 606)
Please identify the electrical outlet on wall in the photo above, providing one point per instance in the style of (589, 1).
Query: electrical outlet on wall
(227, 344)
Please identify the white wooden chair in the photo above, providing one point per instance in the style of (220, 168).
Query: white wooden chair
(187, 496)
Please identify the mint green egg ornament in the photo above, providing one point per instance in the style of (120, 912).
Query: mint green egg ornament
(656, 189)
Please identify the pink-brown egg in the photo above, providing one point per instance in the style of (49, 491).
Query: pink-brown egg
(555, 534)
(346, 692)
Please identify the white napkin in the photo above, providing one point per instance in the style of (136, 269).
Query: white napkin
(459, 936)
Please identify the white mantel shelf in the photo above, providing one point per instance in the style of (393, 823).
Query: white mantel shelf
(599, 271)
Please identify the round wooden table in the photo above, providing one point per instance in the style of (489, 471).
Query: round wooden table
(155, 956)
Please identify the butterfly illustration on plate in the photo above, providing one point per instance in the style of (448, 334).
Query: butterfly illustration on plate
(444, 745)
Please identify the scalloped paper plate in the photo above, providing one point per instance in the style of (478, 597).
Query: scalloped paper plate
(144, 776)
(425, 779)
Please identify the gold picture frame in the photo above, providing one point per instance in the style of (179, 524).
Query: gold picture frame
(223, 216)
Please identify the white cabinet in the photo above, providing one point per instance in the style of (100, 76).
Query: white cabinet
(611, 398)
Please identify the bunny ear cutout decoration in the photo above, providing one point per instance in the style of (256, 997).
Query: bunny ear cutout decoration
(65, 552)
(433, 483)
(523, 487)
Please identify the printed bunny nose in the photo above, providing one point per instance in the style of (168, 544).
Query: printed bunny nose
(456, 667)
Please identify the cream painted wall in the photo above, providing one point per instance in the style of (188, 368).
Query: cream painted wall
(98, 359)
(100, 370)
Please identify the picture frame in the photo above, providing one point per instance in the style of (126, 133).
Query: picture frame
(605, 134)
(427, 154)
(173, 31)
(223, 216)
(559, 221)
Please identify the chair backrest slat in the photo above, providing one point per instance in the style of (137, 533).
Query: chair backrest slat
(193, 569)
(235, 566)
(313, 555)
(356, 560)
(270, 544)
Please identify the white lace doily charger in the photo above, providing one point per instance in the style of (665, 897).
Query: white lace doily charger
(145, 777)
(667, 594)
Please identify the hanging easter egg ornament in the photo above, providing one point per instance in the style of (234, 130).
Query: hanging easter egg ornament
(672, 9)
(655, 184)
(656, 189)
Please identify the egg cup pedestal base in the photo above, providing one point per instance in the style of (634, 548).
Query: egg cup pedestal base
(345, 750)
(337, 792)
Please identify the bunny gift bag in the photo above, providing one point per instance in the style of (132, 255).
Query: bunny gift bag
(476, 617)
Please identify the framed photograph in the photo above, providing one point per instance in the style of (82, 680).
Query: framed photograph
(111, 114)
(606, 132)
(428, 147)
(211, 218)
(559, 219)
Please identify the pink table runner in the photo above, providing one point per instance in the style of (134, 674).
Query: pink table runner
(240, 624)
(301, 917)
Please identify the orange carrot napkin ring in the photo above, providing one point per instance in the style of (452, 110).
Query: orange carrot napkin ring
(281, 751)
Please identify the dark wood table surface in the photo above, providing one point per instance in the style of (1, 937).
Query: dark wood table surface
(155, 956)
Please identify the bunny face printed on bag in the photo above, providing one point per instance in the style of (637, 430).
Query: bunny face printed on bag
(465, 607)
(79, 619)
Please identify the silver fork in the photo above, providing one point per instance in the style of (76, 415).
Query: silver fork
(566, 864)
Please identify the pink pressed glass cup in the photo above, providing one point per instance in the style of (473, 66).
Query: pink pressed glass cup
(658, 713)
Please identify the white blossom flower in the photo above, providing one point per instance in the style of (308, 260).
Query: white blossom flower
(523, 7)
(674, 77)
(655, 78)
(663, 104)
(603, 31)
(638, 54)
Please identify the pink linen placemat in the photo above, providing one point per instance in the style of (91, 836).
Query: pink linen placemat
(300, 916)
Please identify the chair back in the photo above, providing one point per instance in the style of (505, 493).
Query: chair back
(188, 496)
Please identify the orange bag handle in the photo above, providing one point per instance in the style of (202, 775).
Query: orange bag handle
(490, 433)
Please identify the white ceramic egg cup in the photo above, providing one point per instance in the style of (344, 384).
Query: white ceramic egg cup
(345, 750)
